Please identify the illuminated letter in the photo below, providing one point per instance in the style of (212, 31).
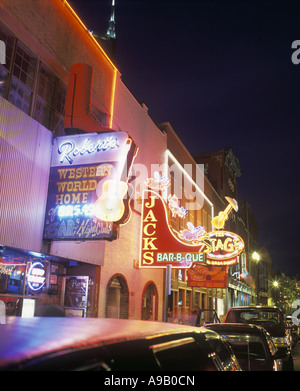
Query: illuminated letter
(212, 241)
(62, 173)
(228, 246)
(61, 186)
(205, 241)
(59, 199)
(148, 256)
(149, 242)
(150, 216)
(219, 245)
(236, 244)
(151, 204)
(146, 229)
(65, 149)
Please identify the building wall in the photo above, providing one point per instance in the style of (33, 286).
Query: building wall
(53, 31)
(25, 152)
(54, 34)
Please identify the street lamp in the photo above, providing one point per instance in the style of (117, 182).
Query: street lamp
(256, 257)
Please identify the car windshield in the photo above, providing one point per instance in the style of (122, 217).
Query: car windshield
(247, 346)
(261, 317)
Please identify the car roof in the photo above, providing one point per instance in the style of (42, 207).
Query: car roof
(27, 338)
(254, 308)
(236, 327)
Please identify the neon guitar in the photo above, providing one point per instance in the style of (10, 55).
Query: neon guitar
(219, 221)
(110, 205)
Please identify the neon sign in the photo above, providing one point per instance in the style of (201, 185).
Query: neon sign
(69, 149)
(86, 174)
(222, 247)
(36, 276)
(162, 246)
(86, 210)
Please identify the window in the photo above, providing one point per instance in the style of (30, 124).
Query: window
(22, 82)
(29, 85)
(181, 355)
(245, 345)
(50, 101)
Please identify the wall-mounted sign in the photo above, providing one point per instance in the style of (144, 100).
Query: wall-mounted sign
(223, 247)
(243, 265)
(36, 276)
(86, 174)
(207, 276)
(162, 246)
(76, 291)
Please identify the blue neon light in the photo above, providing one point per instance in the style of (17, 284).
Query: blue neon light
(77, 210)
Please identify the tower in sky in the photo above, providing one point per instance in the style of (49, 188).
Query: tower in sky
(109, 40)
(111, 31)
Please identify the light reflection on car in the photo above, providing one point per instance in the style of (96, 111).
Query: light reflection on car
(252, 346)
(90, 344)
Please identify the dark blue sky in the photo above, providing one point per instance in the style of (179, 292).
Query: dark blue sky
(221, 73)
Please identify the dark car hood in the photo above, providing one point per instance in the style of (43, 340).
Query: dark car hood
(275, 330)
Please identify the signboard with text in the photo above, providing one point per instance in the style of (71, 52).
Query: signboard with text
(162, 246)
(82, 169)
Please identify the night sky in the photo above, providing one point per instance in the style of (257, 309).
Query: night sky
(221, 73)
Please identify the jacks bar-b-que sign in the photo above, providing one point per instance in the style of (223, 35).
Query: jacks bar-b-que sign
(88, 185)
(162, 246)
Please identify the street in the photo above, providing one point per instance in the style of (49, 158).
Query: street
(296, 356)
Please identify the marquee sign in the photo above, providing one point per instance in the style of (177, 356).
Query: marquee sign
(88, 185)
(162, 246)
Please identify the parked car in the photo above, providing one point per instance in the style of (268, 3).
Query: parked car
(252, 345)
(51, 343)
(293, 331)
(272, 319)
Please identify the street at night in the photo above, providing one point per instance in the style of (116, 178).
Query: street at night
(148, 161)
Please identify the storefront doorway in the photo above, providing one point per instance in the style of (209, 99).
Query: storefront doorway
(117, 298)
(150, 302)
(35, 284)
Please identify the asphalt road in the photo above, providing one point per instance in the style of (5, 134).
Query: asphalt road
(296, 356)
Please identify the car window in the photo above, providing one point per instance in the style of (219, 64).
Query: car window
(224, 356)
(183, 354)
(244, 345)
(259, 316)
